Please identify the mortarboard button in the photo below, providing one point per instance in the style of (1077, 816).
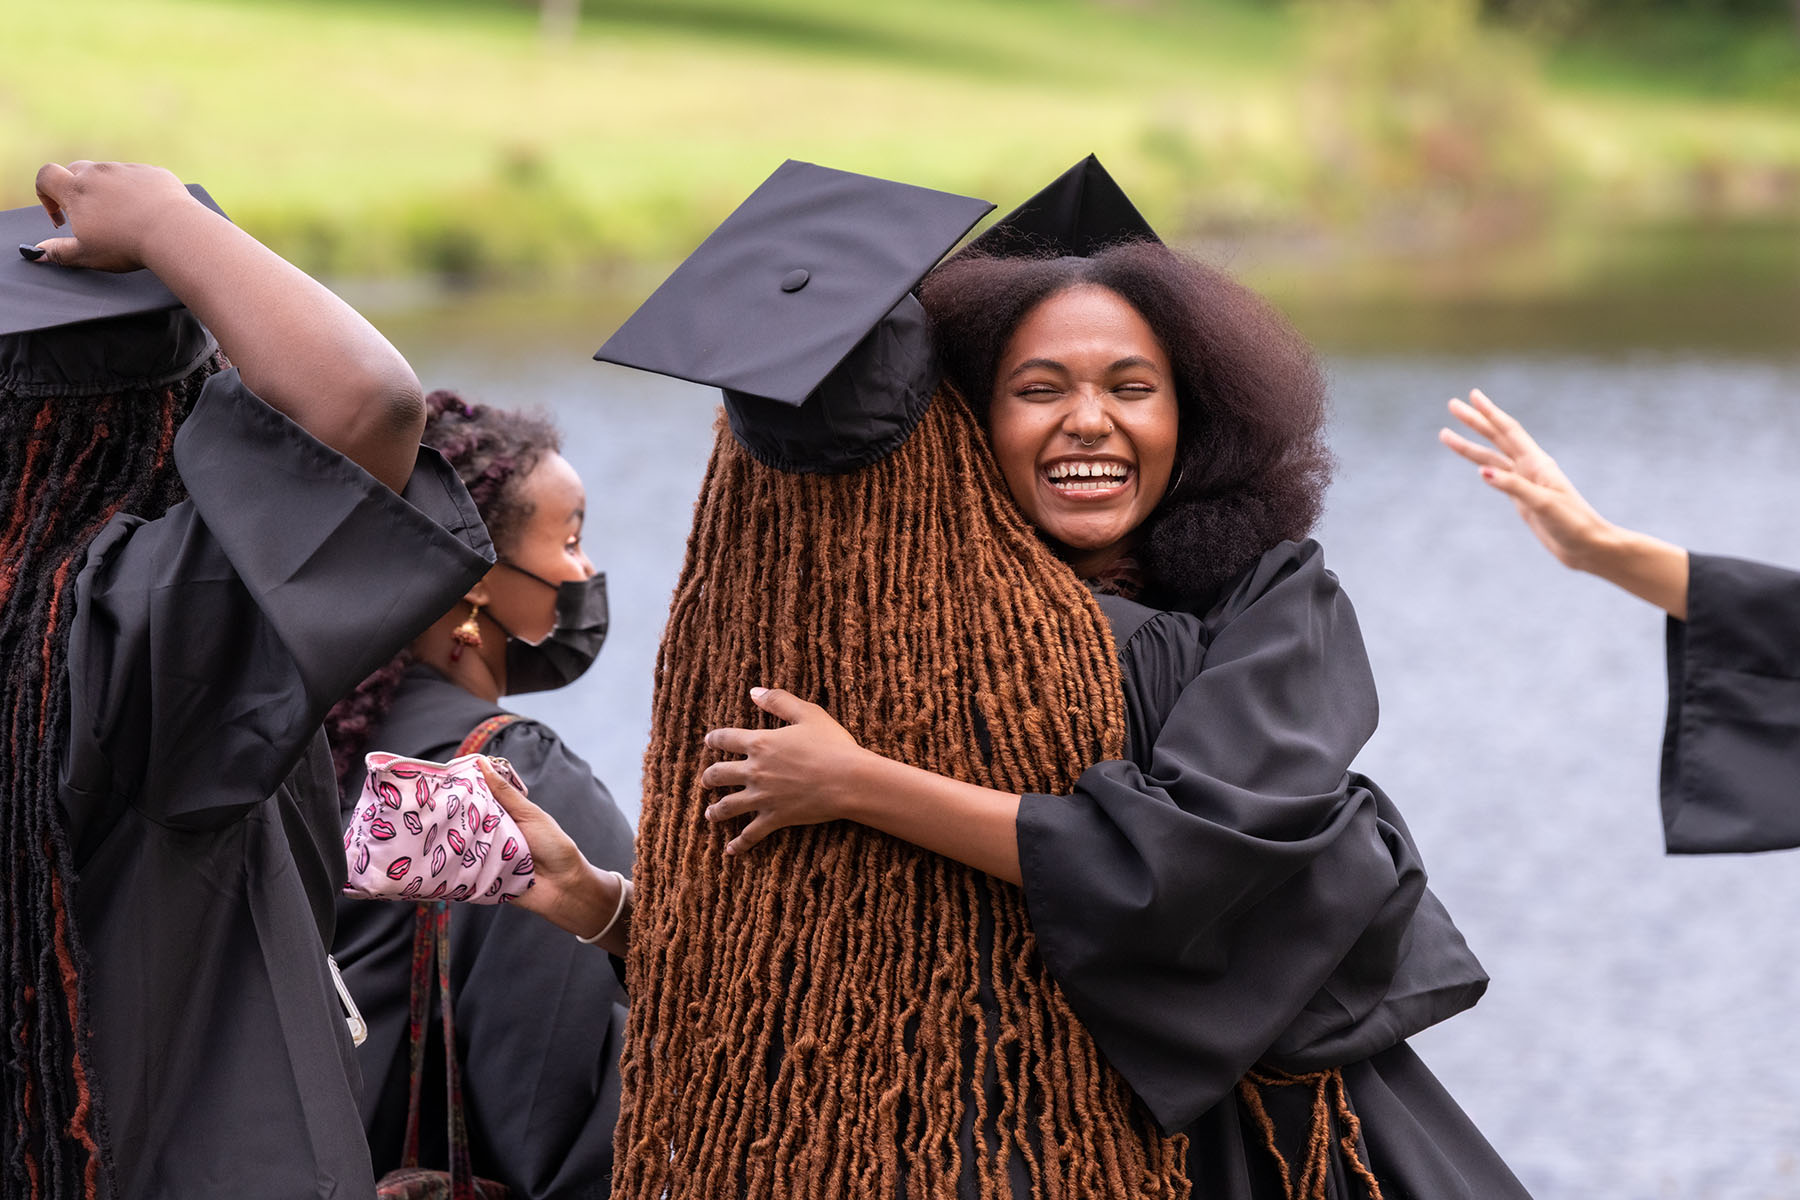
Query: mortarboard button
(795, 280)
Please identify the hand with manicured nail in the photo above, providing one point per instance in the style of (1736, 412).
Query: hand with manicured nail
(297, 345)
(108, 209)
(1517, 466)
(1568, 526)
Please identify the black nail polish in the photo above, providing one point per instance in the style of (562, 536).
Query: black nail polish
(29, 252)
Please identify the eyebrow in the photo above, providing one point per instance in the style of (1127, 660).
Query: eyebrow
(1135, 360)
(579, 514)
(1032, 364)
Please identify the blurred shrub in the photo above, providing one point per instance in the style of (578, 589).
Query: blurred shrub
(1420, 117)
(1739, 48)
(519, 219)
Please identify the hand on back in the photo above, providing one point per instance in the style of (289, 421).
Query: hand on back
(796, 774)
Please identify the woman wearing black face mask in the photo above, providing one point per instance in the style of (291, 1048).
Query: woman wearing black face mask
(538, 1016)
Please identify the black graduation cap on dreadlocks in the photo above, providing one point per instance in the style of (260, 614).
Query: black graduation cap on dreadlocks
(68, 331)
(800, 307)
(1080, 213)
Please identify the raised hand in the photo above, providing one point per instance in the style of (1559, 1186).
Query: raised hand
(1514, 464)
(1568, 526)
(297, 345)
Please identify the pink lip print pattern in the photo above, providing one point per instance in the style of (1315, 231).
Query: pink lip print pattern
(430, 838)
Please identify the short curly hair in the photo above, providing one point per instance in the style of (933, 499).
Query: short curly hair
(1252, 464)
(492, 450)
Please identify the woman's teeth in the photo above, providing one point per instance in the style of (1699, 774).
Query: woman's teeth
(1087, 476)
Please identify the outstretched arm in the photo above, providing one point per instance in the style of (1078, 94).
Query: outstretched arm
(297, 346)
(1567, 525)
(811, 770)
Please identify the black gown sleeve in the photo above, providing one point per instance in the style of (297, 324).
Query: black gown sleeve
(209, 642)
(1238, 891)
(1731, 748)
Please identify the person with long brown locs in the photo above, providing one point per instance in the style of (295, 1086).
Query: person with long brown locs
(813, 1021)
(961, 876)
(198, 561)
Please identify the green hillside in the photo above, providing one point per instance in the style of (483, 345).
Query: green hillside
(458, 137)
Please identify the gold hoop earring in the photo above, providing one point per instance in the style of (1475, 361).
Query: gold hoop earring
(466, 634)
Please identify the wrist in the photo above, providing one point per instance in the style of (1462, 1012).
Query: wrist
(1645, 566)
(1602, 549)
(861, 788)
(618, 915)
(587, 898)
(168, 229)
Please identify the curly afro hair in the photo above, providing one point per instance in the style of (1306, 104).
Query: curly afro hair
(1251, 462)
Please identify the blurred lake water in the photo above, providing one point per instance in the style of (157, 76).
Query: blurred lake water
(1639, 1040)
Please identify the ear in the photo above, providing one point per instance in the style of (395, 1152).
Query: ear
(479, 594)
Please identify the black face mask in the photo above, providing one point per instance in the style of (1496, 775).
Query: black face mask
(572, 645)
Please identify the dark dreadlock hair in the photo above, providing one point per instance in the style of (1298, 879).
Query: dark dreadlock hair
(67, 466)
(1252, 466)
(811, 1023)
(491, 450)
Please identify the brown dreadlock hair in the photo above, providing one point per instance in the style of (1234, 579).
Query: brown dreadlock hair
(67, 466)
(810, 1018)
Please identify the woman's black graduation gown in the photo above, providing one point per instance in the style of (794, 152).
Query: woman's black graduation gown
(1731, 750)
(206, 647)
(540, 1018)
(1230, 893)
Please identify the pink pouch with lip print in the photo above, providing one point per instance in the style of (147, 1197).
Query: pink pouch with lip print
(433, 831)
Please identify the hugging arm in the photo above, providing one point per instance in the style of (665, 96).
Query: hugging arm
(812, 770)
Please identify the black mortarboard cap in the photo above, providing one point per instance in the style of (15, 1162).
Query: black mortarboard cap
(1081, 212)
(74, 332)
(799, 306)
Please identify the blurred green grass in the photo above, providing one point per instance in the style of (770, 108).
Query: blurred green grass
(389, 137)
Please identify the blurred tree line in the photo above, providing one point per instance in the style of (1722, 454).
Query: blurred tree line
(1582, 17)
(1577, 10)
(1574, 16)
(560, 17)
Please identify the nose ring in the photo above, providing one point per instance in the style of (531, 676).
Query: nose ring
(1095, 441)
